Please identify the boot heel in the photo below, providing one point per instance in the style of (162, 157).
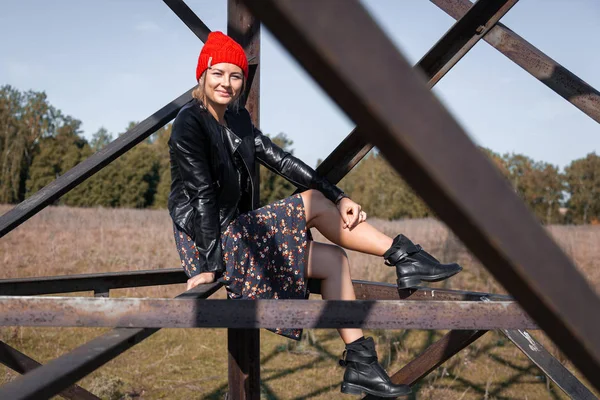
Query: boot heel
(350, 389)
(408, 282)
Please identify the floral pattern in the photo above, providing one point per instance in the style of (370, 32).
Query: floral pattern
(265, 253)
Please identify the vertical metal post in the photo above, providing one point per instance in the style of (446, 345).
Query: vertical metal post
(244, 344)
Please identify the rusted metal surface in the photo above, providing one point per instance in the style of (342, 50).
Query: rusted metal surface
(189, 18)
(179, 313)
(426, 145)
(368, 290)
(244, 29)
(22, 364)
(549, 365)
(82, 171)
(455, 341)
(461, 37)
(243, 349)
(97, 282)
(243, 345)
(524, 54)
(365, 290)
(58, 374)
(435, 355)
(344, 157)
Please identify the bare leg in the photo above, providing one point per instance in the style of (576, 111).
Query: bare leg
(330, 264)
(324, 215)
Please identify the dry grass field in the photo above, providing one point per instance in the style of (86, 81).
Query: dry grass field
(192, 363)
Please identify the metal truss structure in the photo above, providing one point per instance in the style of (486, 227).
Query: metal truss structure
(421, 141)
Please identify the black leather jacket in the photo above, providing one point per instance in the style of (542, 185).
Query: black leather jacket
(205, 190)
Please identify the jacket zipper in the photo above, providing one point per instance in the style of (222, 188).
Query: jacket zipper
(251, 181)
(247, 169)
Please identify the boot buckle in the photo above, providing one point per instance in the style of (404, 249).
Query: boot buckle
(401, 254)
(343, 362)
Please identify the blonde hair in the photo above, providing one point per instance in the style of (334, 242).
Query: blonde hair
(199, 93)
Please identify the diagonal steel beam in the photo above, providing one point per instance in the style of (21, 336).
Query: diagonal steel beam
(434, 356)
(549, 365)
(57, 375)
(76, 175)
(426, 145)
(454, 341)
(461, 37)
(189, 18)
(22, 364)
(524, 54)
(444, 55)
(82, 171)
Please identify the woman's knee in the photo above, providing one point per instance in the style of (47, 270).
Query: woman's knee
(327, 260)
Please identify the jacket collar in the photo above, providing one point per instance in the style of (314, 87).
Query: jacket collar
(232, 139)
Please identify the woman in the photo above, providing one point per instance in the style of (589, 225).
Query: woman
(266, 253)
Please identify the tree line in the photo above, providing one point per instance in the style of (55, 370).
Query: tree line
(38, 143)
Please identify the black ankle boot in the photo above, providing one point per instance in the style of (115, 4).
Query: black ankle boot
(413, 264)
(365, 375)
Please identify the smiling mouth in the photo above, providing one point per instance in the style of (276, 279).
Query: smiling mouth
(224, 94)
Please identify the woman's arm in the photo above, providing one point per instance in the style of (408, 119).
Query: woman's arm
(191, 150)
(291, 168)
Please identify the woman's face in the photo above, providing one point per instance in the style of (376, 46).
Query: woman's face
(223, 83)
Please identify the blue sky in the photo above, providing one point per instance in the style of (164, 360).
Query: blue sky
(110, 62)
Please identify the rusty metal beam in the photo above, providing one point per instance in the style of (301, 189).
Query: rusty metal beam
(426, 145)
(549, 365)
(97, 282)
(461, 38)
(189, 18)
(455, 341)
(365, 290)
(185, 313)
(435, 355)
(368, 290)
(444, 55)
(243, 345)
(543, 68)
(22, 364)
(82, 171)
(58, 374)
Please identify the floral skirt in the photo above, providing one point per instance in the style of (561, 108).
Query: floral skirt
(265, 253)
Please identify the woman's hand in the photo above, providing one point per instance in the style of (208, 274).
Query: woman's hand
(204, 277)
(351, 213)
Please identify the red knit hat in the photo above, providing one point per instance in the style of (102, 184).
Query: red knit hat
(220, 48)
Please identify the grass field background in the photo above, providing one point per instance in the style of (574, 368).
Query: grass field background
(192, 363)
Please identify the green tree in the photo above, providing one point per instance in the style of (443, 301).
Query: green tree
(380, 190)
(539, 184)
(583, 187)
(100, 139)
(272, 186)
(160, 144)
(25, 118)
(57, 154)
